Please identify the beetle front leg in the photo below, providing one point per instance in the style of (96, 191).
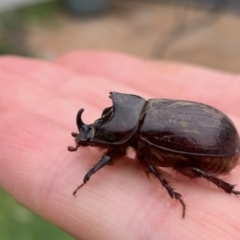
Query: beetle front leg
(104, 161)
(169, 189)
(197, 173)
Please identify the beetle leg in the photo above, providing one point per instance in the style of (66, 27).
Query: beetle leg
(197, 173)
(169, 189)
(104, 161)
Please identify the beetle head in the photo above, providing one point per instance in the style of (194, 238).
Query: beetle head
(116, 125)
(85, 131)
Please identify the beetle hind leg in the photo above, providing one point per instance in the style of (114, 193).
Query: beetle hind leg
(197, 173)
(169, 189)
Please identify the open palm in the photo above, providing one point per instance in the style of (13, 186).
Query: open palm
(39, 101)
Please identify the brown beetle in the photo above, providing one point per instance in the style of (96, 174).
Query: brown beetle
(192, 138)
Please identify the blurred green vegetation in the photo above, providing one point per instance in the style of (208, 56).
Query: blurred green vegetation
(44, 12)
(14, 25)
(13, 34)
(18, 223)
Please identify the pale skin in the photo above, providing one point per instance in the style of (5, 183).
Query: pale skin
(39, 101)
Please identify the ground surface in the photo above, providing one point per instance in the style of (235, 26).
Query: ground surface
(147, 30)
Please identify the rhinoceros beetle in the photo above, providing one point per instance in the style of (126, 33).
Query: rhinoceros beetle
(191, 138)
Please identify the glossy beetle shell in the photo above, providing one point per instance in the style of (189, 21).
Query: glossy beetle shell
(191, 128)
(122, 122)
(194, 139)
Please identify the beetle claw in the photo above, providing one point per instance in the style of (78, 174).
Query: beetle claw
(169, 189)
(183, 206)
(236, 192)
(76, 190)
(147, 171)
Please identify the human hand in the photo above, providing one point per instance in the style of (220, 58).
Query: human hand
(39, 101)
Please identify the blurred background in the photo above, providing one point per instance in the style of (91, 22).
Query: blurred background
(202, 32)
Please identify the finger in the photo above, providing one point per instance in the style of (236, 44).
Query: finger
(63, 97)
(172, 84)
(54, 77)
(160, 79)
(45, 74)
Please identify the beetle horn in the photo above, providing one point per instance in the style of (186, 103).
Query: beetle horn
(81, 125)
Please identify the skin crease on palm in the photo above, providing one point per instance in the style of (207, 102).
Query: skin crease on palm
(39, 101)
